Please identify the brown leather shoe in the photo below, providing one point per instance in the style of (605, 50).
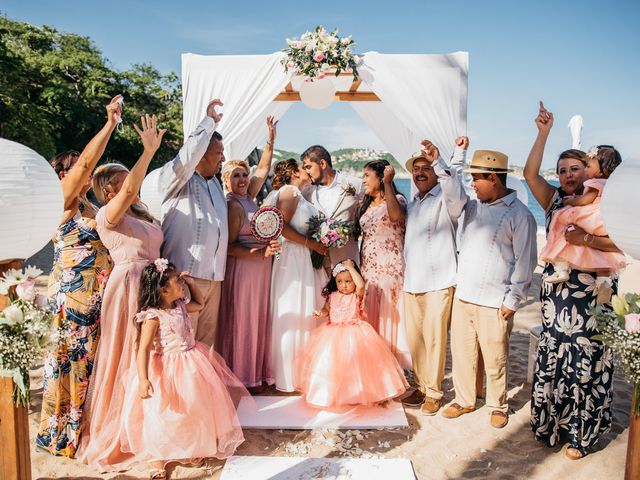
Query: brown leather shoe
(414, 400)
(430, 406)
(499, 419)
(573, 453)
(455, 410)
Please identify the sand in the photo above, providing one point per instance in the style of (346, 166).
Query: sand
(439, 448)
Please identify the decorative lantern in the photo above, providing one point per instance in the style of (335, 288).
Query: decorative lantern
(617, 209)
(318, 93)
(31, 201)
(150, 194)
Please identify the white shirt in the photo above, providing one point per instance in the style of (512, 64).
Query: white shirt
(194, 211)
(497, 250)
(329, 195)
(430, 251)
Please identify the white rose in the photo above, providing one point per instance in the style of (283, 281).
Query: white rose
(13, 314)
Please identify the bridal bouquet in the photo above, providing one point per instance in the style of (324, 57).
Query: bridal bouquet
(330, 232)
(620, 329)
(317, 52)
(26, 330)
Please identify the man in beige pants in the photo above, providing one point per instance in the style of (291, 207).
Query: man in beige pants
(194, 217)
(495, 265)
(430, 256)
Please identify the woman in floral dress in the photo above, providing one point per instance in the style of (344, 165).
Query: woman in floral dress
(81, 266)
(381, 222)
(571, 393)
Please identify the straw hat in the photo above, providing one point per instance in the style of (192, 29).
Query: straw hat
(488, 161)
(409, 163)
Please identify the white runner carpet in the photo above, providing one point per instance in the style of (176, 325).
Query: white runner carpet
(297, 468)
(271, 412)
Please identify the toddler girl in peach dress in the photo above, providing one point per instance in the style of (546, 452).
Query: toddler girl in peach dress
(584, 211)
(179, 405)
(345, 361)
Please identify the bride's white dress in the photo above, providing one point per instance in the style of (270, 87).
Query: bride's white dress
(295, 293)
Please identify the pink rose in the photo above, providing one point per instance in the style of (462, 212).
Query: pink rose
(27, 290)
(632, 322)
(318, 56)
(291, 64)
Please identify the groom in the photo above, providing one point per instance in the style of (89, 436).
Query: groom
(335, 195)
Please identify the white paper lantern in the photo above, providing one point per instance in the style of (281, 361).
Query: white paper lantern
(31, 201)
(618, 210)
(150, 193)
(318, 94)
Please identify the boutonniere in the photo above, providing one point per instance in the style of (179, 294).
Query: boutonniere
(348, 189)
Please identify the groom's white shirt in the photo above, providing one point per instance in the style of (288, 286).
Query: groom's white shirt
(328, 196)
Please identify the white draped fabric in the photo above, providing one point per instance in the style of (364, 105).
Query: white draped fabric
(247, 84)
(422, 96)
(427, 93)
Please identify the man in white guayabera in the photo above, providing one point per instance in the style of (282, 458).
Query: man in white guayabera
(194, 217)
(335, 195)
(430, 256)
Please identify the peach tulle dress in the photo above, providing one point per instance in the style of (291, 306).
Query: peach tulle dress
(192, 411)
(346, 362)
(588, 218)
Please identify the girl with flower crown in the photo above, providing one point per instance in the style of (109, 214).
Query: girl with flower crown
(345, 361)
(584, 211)
(178, 405)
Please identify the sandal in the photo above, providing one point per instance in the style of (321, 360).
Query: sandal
(573, 453)
(157, 473)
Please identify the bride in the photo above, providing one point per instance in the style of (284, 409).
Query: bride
(295, 286)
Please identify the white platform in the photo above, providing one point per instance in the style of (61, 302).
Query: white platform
(297, 468)
(292, 413)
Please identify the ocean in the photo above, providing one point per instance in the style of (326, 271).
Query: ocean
(404, 185)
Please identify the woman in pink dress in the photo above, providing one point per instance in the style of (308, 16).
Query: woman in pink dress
(584, 211)
(345, 362)
(180, 403)
(244, 327)
(381, 221)
(129, 232)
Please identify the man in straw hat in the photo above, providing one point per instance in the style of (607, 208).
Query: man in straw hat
(496, 262)
(430, 255)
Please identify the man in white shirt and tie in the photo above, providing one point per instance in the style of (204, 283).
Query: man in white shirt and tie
(194, 217)
(495, 266)
(430, 255)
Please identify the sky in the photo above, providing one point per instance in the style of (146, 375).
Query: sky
(579, 57)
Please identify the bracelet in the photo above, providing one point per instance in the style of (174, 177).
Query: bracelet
(585, 239)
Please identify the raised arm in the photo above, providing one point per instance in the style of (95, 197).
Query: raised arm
(357, 278)
(176, 173)
(197, 299)
(151, 138)
(450, 181)
(264, 166)
(78, 176)
(396, 211)
(541, 189)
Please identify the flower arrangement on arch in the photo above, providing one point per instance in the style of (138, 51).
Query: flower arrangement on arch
(26, 329)
(316, 53)
(620, 329)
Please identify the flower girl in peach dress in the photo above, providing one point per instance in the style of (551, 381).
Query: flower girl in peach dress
(584, 211)
(181, 401)
(346, 362)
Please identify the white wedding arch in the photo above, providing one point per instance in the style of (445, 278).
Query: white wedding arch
(402, 98)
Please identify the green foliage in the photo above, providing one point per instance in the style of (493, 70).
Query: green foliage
(54, 87)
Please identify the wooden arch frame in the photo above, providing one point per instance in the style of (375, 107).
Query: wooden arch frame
(351, 95)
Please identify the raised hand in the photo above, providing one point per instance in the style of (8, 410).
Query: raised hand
(462, 142)
(544, 120)
(211, 110)
(388, 174)
(114, 110)
(149, 134)
(271, 125)
(429, 151)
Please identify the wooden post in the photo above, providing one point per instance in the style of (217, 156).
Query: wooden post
(15, 455)
(632, 466)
